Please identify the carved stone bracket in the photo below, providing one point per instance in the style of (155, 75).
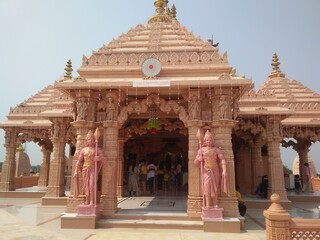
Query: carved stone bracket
(254, 127)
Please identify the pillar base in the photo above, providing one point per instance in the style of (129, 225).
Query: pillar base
(71, 220)
(209, 213)
(226, 225)
(88, 210)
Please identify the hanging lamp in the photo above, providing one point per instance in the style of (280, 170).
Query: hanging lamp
(153, 122)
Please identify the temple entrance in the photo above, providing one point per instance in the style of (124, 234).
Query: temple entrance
(168, 152)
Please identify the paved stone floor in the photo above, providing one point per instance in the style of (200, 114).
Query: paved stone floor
(27, 219)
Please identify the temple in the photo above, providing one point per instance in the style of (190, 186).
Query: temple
(148, 92)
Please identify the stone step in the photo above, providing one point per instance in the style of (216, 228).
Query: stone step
(150, 223)
(151, 219)
(152, 215)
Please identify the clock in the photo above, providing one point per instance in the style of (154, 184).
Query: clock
(151, 67)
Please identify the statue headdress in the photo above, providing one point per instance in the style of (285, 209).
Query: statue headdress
(90, 135)
(208, 137)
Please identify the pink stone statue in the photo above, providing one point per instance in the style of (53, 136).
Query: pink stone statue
(89, 163)
(214, 171)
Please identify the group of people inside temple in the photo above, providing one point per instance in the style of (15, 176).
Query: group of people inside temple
(148, 177)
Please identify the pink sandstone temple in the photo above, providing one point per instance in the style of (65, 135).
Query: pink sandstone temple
(148, 92)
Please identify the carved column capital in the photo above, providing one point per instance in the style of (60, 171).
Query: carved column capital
(274, 128)
(85, 105)
(59, 127)
(194, 124)
(111, 124)
(10, 137)
(224, 123)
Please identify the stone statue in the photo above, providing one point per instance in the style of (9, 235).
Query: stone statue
(56, 129)
(74, 110)
(89, 157)
(223, 105)
(214, 171)
(194, 108)
(82, 107)
(7, 137)
(110, 109)
(235, 110)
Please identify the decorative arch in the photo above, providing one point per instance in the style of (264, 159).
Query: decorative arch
(142, 106)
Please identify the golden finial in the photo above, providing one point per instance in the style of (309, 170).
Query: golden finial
(174, 12)
(68, 71)
(168, 12)
(160, 15)
(275, 67)
(20, 148)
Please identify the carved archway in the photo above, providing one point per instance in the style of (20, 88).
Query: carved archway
(140, 143)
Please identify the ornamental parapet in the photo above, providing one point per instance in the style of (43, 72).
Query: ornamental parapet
(279, 224)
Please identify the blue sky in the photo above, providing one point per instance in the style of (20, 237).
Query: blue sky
(37, 37)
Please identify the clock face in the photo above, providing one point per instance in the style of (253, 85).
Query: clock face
(151, 67)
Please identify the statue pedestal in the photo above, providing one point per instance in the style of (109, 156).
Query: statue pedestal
(209, 213)
(87, 210)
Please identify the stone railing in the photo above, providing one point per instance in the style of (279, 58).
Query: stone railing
(26, 181)
(280, 225)
(315, 184)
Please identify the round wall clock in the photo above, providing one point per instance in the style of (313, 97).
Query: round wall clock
(151, 67)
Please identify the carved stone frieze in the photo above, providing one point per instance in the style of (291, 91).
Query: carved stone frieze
(254, 127)
(312, 133)
(36, 135)
(224, 77)
(142, 106)
(80, 79)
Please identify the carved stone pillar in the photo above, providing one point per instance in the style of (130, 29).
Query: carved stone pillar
(194, 177)
(257, 164)
(45, 166)
(109, 176)
(275, 165)
(56, 173)
(303, 148)
(82, 128)
(120, 167)
(222, 130)
(9, 165)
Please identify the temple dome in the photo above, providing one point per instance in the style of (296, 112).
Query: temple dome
(170, 42)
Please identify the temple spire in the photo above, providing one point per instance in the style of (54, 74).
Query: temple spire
(174, 12)
(275, 67)
(68, 71)
(160, 15)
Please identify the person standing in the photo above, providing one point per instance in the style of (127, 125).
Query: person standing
(143, 176)
(151, 176)
(306, 178)
(178, 170)
(160, 175)
(241, 206)
(133, 179)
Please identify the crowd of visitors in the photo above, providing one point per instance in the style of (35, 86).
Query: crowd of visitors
(146, 178)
